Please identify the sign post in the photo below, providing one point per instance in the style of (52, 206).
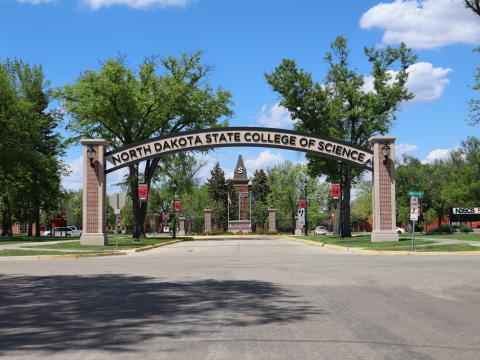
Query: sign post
(414, 211)
(117, 216)
(301, 216)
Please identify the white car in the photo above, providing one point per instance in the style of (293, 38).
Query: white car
(320, 230)
(400, 231)
(64, 231)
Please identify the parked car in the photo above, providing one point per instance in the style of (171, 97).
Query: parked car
(75, 231)
(400, 231)
(64, 231)
(320, 230)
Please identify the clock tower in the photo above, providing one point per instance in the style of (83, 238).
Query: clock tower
(241, 186)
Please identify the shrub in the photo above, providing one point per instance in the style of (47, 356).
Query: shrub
(466, 229)
(442, 229)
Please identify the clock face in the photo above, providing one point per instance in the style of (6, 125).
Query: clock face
(240, 170)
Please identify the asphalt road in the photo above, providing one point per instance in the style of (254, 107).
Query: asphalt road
(241, 299)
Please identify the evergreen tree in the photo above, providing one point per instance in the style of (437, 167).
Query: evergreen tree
(219, 190)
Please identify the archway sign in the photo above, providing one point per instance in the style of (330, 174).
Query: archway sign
(97, 163)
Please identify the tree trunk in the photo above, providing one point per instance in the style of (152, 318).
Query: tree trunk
(336, 220)
(140, 209)
(30, 225)
(6, 218)
(346, 229)
(294, 222)
(37, 220)
(137, 223)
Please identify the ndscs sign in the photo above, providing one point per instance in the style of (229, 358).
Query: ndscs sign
(465, 214)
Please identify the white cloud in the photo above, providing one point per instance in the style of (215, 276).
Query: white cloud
(36, 2)
(426, 82)
(404, 149)
(424, 24)
(264, 160)
(74, 181)
(276, 117)
(136, 4)
(437, 154)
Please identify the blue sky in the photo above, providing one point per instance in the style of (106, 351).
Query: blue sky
(243, 39)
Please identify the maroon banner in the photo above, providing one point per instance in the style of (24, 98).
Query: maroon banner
(178, 205)
(335, 191)
(142, 192)
(302, 203)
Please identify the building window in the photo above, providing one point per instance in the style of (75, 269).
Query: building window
(23, 228)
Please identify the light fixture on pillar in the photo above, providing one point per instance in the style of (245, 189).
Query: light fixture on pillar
(91, 152)
(385, 153)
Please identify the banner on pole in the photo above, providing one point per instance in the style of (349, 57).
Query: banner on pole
(142, 192)
(335, 191)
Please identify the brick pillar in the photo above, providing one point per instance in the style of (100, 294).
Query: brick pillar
(272, 220)
(208, 220)
(298, 229)
(181, 226)
(383, 190)
(94, 194)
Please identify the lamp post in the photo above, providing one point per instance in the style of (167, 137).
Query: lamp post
(385, 153)
(304, 182)
(174, 188)
(91, 152)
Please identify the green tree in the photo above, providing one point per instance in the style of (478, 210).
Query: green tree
(286, 183)
(124, 106)
(73, 203)
(361, 209)
(260, 191)
(33, 164)
(341, 107)
(219, 190)
(474, 104)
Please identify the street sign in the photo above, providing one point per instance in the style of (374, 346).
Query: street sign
(414, 202)
(117, 211)
(301, 216)
(414, 214)
(418, 194)
(301, 222)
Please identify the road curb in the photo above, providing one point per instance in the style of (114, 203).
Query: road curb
(321, 244)
(382, 252)
(150, 247)
(415, 253)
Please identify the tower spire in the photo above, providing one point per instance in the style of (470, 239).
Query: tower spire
(240, 170)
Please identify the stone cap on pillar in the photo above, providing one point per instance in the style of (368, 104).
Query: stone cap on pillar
(93, 142)
(207, 210)
(375, 139)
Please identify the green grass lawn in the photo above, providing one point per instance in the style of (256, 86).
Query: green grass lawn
(446, 248)
(13, 240)
(404, 244)
(363, 241)
(34, 252)
(457, 236)
(124, 243)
